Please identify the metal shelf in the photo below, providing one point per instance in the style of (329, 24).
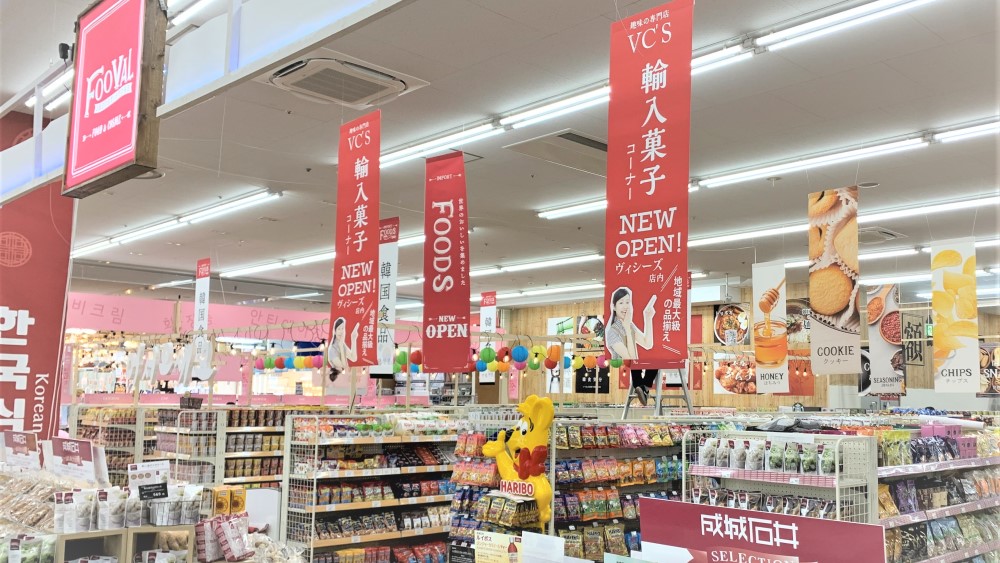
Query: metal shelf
(964, 554)
(176, 430)
(347, 473)
(257, 479)
(242, 429)
(934, 467)
(943, 512)
(229, 455)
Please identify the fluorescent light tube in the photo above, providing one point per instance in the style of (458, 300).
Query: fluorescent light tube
(927, 209)
(147, 231)
(804, 164)
(716, 56)
(979, 244)
(798, 264)
(303, 295)
(695, 71)
(58, 82)
(229, 207)
(698, 275)
(434, 145)
(190, 11)
(835, 22)
(564, 111)
(895, 279)
(404, 306)
(576, 209)
(569, 102)
(174, 283)
(551, 290)
(92, 248)
(411, 281)
(551, 263)
(322, 257)
(412, 240)
(435, 150)
(484, 272)
(888, 254)
(968, 132)
(979, 291)
(63, 98)
(253, 270)
(759, 233)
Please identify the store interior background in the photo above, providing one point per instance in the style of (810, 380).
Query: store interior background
(929, 69)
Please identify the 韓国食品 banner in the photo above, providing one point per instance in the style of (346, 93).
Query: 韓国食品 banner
(955, 309)
(770, 327)
(649, 118)
(388, 274)
(835, 332)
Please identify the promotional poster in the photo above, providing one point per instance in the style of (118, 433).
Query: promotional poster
(956, 316)
(770, 327)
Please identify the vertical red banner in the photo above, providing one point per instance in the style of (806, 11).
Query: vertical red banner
(355, 267)
(446, 266)
(35, 235)
(649, 117)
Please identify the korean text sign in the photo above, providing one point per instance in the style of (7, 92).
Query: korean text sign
(703, 533)
(354, 306)
(35, 235)
(649, 118)
(388, 275)
(446, 266)
(115, 84)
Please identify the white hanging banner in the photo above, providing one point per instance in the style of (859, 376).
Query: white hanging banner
(885, 342)
(388, 275)
(770, 330)
(202, 360)
(488, 311)
(956, 316)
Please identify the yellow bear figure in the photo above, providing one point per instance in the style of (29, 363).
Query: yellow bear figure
(521, 452)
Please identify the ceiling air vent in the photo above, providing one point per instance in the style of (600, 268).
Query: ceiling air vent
(339, 82)
(877, 235)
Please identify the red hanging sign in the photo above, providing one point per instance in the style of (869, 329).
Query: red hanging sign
(35, 234)
(355, 267)
(118, 84)
(645, 265)
(446, 266)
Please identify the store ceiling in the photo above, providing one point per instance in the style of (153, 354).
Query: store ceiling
(932, 67)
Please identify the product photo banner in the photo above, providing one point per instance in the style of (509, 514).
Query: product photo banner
(885, 342)
(956, 316)
(834, 292)
(354, 305)
(649, 117)
(446, 266)
(770, 327)
(35, 236)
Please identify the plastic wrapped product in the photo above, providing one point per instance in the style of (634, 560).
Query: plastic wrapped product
(573, 539)
(614, 536)
(593, 543)
(722, 453)
(707, 450)
(809, 459)
(756, 455)
(738, 454)
(775, 452)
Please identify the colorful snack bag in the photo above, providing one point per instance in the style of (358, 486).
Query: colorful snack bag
(573, 542)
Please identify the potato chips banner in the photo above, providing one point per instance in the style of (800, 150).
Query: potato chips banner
(885, 342)
(770, 327)
(956, 316)
(833, 281)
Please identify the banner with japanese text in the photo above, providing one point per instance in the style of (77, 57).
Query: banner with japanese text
(446, 266)
(649, 118)
(355, 300)
(834, 300)
(388, 274)
(699, 533)
(36, 231)
(770, 327)
(488, 313)
(956, 316)
(887, 366)
(202, 343)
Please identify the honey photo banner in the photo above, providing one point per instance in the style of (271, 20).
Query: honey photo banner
(956, 316)
(835, 338)
(770, 327)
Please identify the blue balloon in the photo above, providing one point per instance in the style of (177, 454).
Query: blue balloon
(414, 368)
(519, 354)
(566, 362)
(481, 365)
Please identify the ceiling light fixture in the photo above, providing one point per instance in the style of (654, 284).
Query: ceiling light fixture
(253, 270)
(979, 291)
(62, 99)
(312, 259)
(551, 290)
(814, 162)
(411, 240)
(862, 257)
(59, 81)
(174, 283)
(412, 281)
(733, 55)
(798, 264)
(908, 278)
(437, 145)
(547, 110)
(968, 132)
(552, 263)
(835, 22)
(576, 209)
(147, 231)
(485, 272)
(404, 306)
(229, 207)
(190, 11)
(303, 295)
(698, 275)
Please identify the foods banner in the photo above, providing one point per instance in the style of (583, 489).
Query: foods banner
(956, 316)
(770, 327)
(446, 266)
(388, 274)
(649, 120)
(833, 281)
(698, 533)
(35, 234)
(885, 342)
(989, 369)
(355, 298)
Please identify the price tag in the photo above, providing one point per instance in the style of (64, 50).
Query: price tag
(726, 474)
(410, 500)
(366, 473)
(150, 478)
(379, 440)
(355, 539)
(419, 531)
(793, 480)
(376, 503)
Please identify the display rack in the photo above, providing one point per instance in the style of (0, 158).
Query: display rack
(319, 450)
(124, 432)
(850, 483)
(192, 441)
(86, 544)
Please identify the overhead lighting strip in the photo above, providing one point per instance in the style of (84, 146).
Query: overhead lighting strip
(171, 224)
(991, 128)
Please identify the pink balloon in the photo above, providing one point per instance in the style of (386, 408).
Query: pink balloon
(520, 365)
(317, 361)
(259, 363)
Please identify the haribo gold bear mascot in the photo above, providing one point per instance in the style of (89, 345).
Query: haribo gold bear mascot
(522, 451)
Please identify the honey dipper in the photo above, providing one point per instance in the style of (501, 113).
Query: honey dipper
(770, 298)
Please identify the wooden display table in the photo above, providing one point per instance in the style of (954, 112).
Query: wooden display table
(143, 538)
(85, 544)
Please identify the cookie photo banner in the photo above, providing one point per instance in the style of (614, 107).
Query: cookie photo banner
(956, 316)
(835, 331)
(646, 226)
(770, 327)
(885, 342)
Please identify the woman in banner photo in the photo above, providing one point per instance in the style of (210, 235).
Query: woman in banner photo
(339, 353)
(622, 336)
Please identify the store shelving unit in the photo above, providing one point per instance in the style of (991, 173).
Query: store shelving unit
(85, 544)
(122, 431)
(191, 440)
(852, 485)
(306, 477)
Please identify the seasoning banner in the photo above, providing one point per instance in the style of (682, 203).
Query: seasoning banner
(770, 327)
(355, 299)
(35, 234)
(649, 119)
(388, 274)
(956, 316)
(699, 533)
(446, 266)
(885, 342)
(835, 336)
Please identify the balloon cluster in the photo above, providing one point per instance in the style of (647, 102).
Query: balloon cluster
(412, 361)
(288, 362)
